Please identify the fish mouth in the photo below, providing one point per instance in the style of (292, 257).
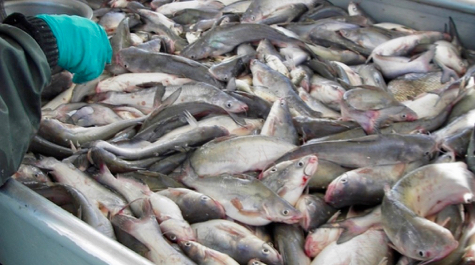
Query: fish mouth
(311, 167)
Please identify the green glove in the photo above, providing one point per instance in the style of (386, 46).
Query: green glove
(83, 46)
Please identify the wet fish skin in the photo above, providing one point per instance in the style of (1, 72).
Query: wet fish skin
(315, 211)
(236, 241)
(140, 61)
(366, 150)
(246, 200)
(261, 9)
(195, 207)
(278, 86)
(320, 238)
(148, 232)
(225, 38)
(120, 40)
(412, 235)
(108, 202)
(371, 107)
(279, 123)
(290, 241)
(238, 154)
(117, 165)
(363, 185)
(291, 180)
(195, 137)
(64, 134)
(204, 255)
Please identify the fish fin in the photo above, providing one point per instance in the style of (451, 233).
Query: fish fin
(383, 261)
(157, 99)
(190, 119)
(349, 232)
(238, 205)
(237, 119)
(447, 73)
(231, 85)
(334, 216)
(231, 230)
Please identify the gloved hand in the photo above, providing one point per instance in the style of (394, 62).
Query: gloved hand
(83, 46)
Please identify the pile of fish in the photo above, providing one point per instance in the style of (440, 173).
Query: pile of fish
(266, 132)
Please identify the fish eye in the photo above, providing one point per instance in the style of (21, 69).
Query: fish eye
(229, 105)
(187, 244)
(255, 263)
(300, 164)
(344, 180)
(427, 153)
(204, 198)
(192, 57)
(403, 116)
(172, 237)
(285, 212)
(421, 253)
(265, 251)
(253, 18)
(273, 169)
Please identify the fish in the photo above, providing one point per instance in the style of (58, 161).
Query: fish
(365, 151)
(289, 240)
(279, 123)
(290, 181)
(138, 195)
(278, 86)
(435, 186)
(238, 154)
(261, 9)
(224, 38)
(195, 207)
(148, 232)
(315, 211)
(236, 241)
(427, 241)
(197, 136)
(65, 134)
(140, 61)
(364, 185)
(370, 107)
(248, 201)
(105, 200)
(205, 255)
(129, 82)
(411, 85)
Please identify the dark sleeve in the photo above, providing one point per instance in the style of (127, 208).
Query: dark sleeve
(24, 72)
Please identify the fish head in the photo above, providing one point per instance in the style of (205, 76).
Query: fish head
(177, 230)
(309, 164)
(217, 208)
(252, 15)
(256, 248)
(282, 211)
(196, 50)
(234, 106)
(192, 249)
(429, 242)
(337, 190)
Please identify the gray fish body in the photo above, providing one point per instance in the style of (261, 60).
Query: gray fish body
(315, 211)
(290, 241)
(225, 38)
(191, 138)
(313, 128)
(195, 207)
(261, 9)
(64, 135)
(98, 195)
(236, 241)
(366, 151)
(291, 180)
(140, 61)
(412, 235)
(118, 165)
(238, 154)
(470, 159)
(120, 40)
(248, 201)
(203, 92)
(279, 86)
(94, 115)
(279, 123)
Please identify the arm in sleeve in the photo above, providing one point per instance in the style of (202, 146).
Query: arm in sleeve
(24, 72)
